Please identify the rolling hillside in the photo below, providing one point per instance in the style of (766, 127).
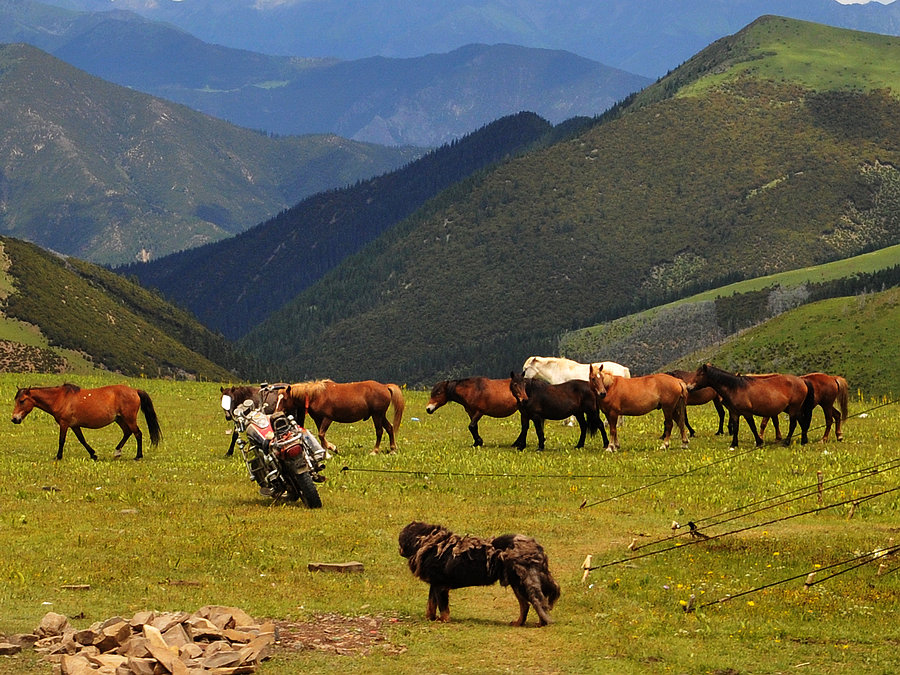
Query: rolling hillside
(735, 178)
(60, 314)
(110, 175)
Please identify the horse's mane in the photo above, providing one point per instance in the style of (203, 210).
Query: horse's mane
(307, 389)
(241, 390)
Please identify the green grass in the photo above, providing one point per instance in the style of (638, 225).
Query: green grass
(134, 530)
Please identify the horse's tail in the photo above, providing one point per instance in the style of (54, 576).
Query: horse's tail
(680, 409)
(843, 396)
(399, 404)
(809, 403)
(150, 416)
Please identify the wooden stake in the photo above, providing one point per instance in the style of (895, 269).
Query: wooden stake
(819, 478)
(586, 566)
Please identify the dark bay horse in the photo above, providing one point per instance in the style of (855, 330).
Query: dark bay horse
(479, 396)
(327, 401)
(538, 400)
(829, 390)
(700, 397)
(638, 396)
(240, 393)
(75, 408)
(760, 395)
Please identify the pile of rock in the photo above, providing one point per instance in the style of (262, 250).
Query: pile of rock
(214, 639)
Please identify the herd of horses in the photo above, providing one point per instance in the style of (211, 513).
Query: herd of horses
(547, 388)
(557, 388)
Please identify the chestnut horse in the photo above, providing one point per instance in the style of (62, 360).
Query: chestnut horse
(700, 397)
(328, 401)
(638, 396)
(73, 408)
(538, 400)
(829, 389)
(761, 395)
(240, 393)
(478, 395)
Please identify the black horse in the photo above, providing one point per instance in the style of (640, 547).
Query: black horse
(538, 400)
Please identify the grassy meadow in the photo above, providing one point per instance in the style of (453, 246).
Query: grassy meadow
(185, 527)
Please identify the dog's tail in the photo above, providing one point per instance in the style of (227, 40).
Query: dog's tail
(523, 559)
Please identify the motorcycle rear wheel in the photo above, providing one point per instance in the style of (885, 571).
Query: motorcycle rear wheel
(302, 486)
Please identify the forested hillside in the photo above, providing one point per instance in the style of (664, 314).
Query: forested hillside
(233, 285)
(741, 177)
(113, 323)
(111, 175)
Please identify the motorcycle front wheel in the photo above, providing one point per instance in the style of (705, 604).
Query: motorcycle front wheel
(303, 487)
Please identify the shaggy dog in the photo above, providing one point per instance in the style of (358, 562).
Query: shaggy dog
(445, 560)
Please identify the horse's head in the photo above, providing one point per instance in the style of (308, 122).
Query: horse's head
(438, 396)
(517, 387)
(598, 380)
(23, 404)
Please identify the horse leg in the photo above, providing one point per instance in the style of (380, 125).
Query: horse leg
(838, 424)
(613, 420)
(234, 437)
(667, 429)
(791, 426)
(777, 428)
(323, 427)
(752, 424)
(688, 424)
(829, 418)
(380, 424)
(602, 431)
(389, 428)
(126, 431)
(721, 410)
(539, 430)
(520, 441)
(80, 437)
(473, 428)
(734, 423)
(582, 425)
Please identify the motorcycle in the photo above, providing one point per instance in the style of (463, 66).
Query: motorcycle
(283, 458)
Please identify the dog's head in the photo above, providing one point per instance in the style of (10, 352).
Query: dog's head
(411, 536)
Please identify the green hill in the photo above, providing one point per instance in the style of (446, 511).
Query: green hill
(60, 314)
(110, 175)
(853, 336)
(732, 179)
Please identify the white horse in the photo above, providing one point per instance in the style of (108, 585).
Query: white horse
(556, 369)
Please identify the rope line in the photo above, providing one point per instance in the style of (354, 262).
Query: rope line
(419, 472)
(865, 557)
(748, 527)
(811, 491)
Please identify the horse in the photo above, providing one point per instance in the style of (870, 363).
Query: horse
(328, 401)
(638, 396)
(700, 397)
(829, 389)
(761, 395)
(538, 400)
(240, 393)
(557, 369)
(75, 408)
(479, 396)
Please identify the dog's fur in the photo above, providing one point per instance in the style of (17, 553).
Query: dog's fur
(445, 560)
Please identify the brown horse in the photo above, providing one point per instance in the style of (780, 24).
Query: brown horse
(73, 408)
(240, 393)
(638, 396)
(829, 389)
(761, 395)
(538, 400)
(478, 395)
(327, 401)
(700, 397)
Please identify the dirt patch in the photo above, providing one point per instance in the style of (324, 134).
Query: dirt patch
(337, 634)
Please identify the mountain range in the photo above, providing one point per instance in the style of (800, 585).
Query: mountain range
(424, 101)
(647, 37)
(112, 175)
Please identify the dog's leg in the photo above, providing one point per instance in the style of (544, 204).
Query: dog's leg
(431, 607)
(443, 598)
(523, 604)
